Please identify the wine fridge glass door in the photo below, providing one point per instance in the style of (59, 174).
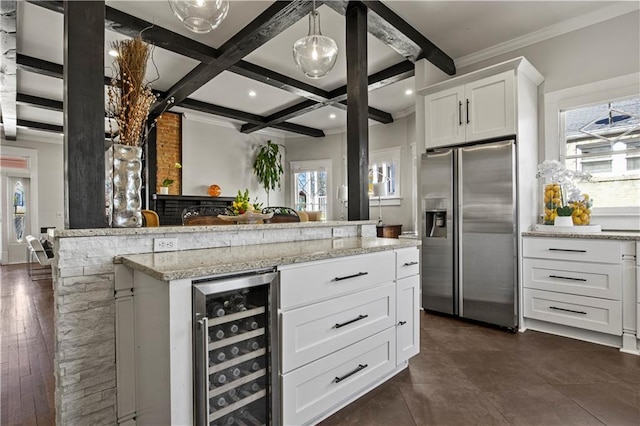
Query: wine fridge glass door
(236, 351)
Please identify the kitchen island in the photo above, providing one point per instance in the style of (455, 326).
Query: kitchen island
(86, 362)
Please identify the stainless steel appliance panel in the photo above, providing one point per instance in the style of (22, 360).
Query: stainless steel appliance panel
(487, 214)
(438, 291)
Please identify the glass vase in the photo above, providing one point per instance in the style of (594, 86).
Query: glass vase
(127, 181)
(551, 199)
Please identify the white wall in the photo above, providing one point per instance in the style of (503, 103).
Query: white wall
(217, 154)
(50, 177)
(400, 133)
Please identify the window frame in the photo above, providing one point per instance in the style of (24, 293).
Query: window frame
(617, 88)
(313, 165)
(388, 155)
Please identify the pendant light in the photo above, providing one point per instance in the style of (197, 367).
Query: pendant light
(200, 16)
(315, 54)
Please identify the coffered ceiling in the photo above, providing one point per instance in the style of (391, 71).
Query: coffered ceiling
(460, 29)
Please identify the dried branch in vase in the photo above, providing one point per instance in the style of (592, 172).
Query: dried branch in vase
(130, 96)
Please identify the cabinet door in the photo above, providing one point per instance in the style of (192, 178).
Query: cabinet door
(444, 124)
(408, 314)
(490, 107)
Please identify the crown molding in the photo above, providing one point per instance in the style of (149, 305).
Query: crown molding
(567, 26)
(404, 112)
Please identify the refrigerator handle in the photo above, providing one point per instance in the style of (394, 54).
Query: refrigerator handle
(202, 360)
(460, 113)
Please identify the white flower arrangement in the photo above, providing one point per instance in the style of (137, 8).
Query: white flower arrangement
(555, 171)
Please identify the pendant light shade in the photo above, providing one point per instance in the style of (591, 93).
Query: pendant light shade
(315, 54)
(200, 16)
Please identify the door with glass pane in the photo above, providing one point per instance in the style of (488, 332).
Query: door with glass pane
(311, 191)
(18, 224)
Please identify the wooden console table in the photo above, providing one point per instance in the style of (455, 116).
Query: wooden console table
(389, 231)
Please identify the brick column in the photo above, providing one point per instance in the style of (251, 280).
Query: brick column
(169, 151)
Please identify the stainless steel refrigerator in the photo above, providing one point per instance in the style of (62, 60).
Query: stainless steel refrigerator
(469, 228)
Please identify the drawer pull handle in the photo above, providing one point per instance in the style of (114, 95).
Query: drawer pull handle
(568, 310)
(410, 263)
(346, 376)
(569, 250)
(567, 278)
(402, 323)
(360, 317)
(359, 274)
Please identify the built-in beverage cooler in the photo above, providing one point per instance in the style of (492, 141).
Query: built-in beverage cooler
(236, 350)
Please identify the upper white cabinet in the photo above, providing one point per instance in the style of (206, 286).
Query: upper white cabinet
(480, 105)
(478, 110)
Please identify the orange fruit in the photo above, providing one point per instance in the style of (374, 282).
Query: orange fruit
(214, 190)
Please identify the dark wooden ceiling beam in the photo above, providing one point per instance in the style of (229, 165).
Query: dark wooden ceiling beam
(8, 83)
(337, 97)
(395, 32)
(34, 125)
(250, 118)
(275, 19)
(39, 102)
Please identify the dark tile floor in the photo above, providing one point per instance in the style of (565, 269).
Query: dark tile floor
(467, 374)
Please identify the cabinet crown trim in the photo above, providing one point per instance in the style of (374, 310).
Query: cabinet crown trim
(520, 65)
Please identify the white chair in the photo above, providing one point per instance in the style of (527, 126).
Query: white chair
(35, 248)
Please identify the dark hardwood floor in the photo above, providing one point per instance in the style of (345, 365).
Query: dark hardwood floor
(26, 349)
(466, 374)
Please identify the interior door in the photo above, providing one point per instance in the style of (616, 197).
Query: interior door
(18, 224)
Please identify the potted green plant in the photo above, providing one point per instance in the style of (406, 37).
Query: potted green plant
(267, 167)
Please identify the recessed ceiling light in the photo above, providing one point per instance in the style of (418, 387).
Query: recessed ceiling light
(408, 92)
(252, 93)
(113, 52)
(332, 116)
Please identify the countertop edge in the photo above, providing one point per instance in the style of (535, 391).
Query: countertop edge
(604, 235)
(271, 262)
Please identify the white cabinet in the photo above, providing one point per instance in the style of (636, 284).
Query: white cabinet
(478, 110)
(408, 313)
(581, 287)
(346, 325)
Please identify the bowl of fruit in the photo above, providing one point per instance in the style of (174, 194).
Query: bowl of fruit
(244, 211)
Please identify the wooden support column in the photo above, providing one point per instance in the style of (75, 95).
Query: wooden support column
(84, 126)
(357, 112)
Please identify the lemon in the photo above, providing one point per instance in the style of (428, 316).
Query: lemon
(577, 221)
(556, 201)
(549, 194)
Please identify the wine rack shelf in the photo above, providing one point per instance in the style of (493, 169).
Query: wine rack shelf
(236, 405)
(236, 316)
(235, 339)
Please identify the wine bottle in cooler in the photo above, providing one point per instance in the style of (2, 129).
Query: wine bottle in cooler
(232, 351)
(238, 303)
(225, 421)
(249, 324)
(250, 367)
(249, 389)
(218, 402)
(251, 345)
(215, 309)
(218, 379)
(232, 328)
(250, 419)
(233, 373)
(216, 333)
(217, 357)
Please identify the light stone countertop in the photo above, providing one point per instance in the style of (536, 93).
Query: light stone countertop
(101, 232)
(604, 235)
(166, 266)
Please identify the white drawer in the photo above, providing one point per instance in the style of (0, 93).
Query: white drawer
(581, 249)
(313, 331)
(315, 281)
(407, 262)
(313, 389)
(586, 279)
(588, 313)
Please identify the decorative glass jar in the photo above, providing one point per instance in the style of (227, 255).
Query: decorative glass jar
(551, 199)
(581, 210)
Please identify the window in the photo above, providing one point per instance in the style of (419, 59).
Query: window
(384, 166)
(312, 186)
(604, 140)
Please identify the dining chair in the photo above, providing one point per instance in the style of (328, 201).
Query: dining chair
(151, 219)
(281, 215)
(35, 248)
(204, 215)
